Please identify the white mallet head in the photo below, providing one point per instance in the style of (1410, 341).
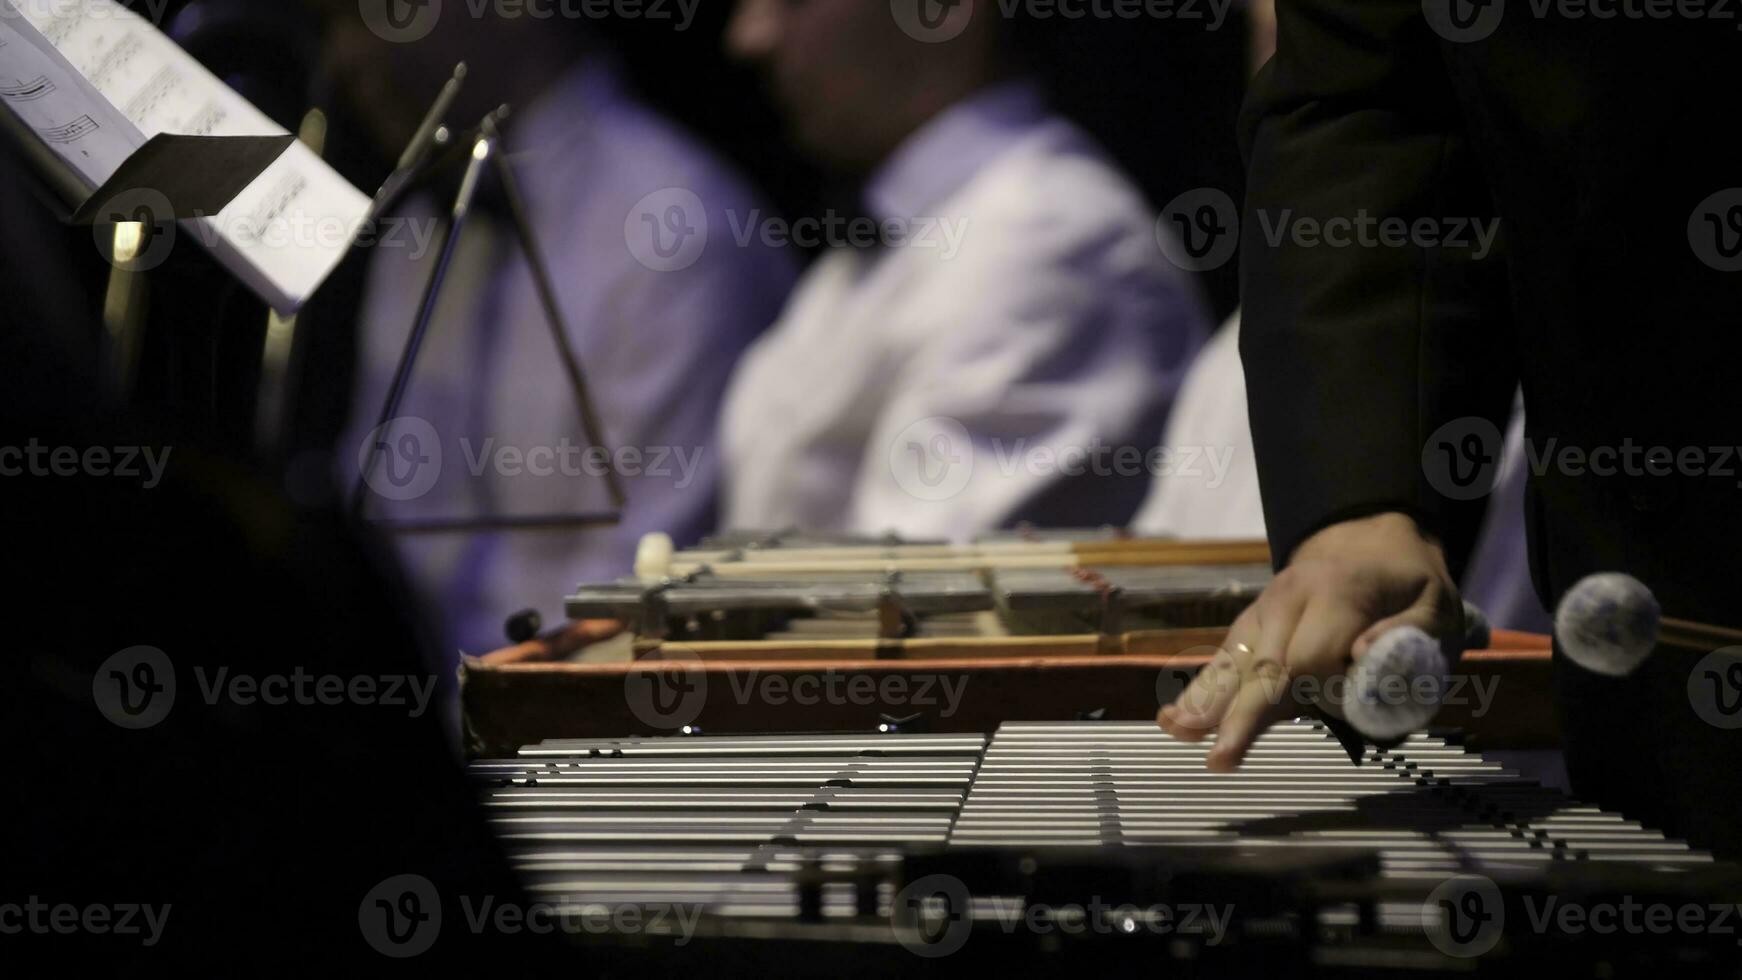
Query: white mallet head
(1396, 688)
(653, 557)
(1608, 623)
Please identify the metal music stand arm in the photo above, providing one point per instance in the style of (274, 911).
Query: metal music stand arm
(282, 356)
(486, 145)
(431, 135)
(553, 315)
(482, 149)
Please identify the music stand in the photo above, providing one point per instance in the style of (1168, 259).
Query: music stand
(485, 144)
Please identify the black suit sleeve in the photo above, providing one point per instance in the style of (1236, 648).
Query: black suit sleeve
(1356, 353)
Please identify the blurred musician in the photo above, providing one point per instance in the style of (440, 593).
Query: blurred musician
(1591, 142)
(611, 188)
(1026, 309)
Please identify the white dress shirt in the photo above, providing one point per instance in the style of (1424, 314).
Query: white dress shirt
(1219, 499)
(656, 331)
(1208, 488)
(986, 371)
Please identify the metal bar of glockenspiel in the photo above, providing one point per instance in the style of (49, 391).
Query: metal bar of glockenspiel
(681, 768)
(721, 803)
(606, 857)
(750, 836)
(584, 762)
(885, 745)
(654, 823)
(781, 780)
(775, 742)
(583, 776)
(1017, 748)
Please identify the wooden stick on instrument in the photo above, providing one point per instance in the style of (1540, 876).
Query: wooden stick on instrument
(1685, 634)
(557, 644)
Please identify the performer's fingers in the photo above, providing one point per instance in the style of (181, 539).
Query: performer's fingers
(1252, 712)
(1321, 648)
(1425, 613)
(1277, 620)
(1191, 717)
(1263, 690)
(1199, 707)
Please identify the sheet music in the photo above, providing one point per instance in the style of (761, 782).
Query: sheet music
(60, 106)
(287, 231)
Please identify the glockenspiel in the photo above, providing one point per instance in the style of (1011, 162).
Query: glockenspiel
(822, 839)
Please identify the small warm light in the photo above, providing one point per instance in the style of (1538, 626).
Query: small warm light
(313, 131)
(129, 236)
(280, 331)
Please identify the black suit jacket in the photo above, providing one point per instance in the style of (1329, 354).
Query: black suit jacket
(1597, 145)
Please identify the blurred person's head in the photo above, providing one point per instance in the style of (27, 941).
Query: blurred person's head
(389, 76)
(854, 78)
